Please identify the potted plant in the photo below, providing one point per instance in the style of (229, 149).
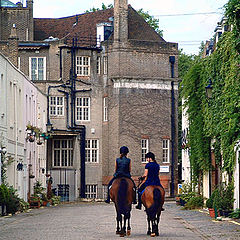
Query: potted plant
(227, 200)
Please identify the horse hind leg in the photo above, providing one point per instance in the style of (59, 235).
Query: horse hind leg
(119, 223)
(123, 230)
(157, 227)
(149, 226)
(128, 228)
(154, 226)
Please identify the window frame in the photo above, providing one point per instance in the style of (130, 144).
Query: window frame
(98, 65)
(105, 65)
(56, 106)
(81, 59)
(89, 155)
(166, 150)
(88, 107)
(70, 152)
(90, 192)
(37, 70)
(105, 109)
(144, 150)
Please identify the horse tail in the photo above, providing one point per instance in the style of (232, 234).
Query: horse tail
(122, 196)
(152, 211)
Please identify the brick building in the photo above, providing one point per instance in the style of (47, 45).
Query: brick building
(111, 80)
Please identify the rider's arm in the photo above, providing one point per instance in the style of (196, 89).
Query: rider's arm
(145, 175)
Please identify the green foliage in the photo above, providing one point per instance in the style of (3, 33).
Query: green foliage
(38, 188)
(153, 22)
(195, 202)
(217, 118)
(4, 194)
(235, 214)
(104, 7)
(23, 206)
(55, 200)
(13, 203)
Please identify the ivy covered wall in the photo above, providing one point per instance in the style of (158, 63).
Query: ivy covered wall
(217, 118)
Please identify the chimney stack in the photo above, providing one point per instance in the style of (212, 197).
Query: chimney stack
(120, 20)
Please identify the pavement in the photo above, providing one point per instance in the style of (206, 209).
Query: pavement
(96, 220)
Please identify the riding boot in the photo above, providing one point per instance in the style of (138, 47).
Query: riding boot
(139, 206)
(108, 197)
(134, 197)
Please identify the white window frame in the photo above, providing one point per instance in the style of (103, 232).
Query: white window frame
(92, 151)
(105, 109)
(68, 149)
(36, 71)
(166, 150)
(83, 109)
(83, 65)
(105, 65)
(56, 107)
(91, 191)
(98, 65)
(144, 148)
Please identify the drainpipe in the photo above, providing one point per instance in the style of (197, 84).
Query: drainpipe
(172, 61)
(82, 152)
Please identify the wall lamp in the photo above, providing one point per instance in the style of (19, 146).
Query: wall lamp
(209, 89)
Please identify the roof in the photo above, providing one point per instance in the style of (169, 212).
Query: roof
(84, 26)
(7, 3)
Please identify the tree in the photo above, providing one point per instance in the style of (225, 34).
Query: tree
(153, 22)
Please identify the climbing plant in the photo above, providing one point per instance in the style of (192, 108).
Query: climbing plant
(217, 118)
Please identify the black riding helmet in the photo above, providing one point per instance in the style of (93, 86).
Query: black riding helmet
(124, 150)
(150, 155)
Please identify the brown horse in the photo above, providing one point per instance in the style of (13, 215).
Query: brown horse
(122, 194)
(153, 200)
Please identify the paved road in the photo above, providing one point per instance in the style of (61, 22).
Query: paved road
(86, 221)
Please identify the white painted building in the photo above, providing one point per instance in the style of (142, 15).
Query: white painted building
(21, 104)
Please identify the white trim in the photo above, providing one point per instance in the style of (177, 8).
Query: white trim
(146, 148)
(163, 85)
(168, 150)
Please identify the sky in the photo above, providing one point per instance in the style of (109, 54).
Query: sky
(187, 30)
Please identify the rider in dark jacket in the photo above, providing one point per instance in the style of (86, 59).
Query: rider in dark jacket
(122, 169)
(150, 177)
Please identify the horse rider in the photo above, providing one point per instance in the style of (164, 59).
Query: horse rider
(122, 169)
(150, 177)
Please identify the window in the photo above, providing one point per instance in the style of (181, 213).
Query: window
(56, 106)
(98, 65)
(105, 65)
(91, 191)
(83, 66)
(83, 109)
(145, 148)
(105, 110)
(37, 68)
(165, 150)
(92, 150)
(63, 153)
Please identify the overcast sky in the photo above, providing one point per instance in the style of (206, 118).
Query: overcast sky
(188, 30)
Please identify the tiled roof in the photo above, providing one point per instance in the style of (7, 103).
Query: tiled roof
(86, 26)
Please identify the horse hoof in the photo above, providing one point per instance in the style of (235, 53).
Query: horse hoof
(157, 233)
(148, 232)
(122, 234)
(128, 232)
(118, 232)
(153, 234)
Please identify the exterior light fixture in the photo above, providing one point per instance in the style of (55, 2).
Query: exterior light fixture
(49, 126)
(209, 89)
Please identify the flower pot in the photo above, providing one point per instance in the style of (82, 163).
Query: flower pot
(211, 212)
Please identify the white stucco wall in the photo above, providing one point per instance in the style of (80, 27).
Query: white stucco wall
(23, 104)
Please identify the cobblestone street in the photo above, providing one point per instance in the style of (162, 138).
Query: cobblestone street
(97, 221)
